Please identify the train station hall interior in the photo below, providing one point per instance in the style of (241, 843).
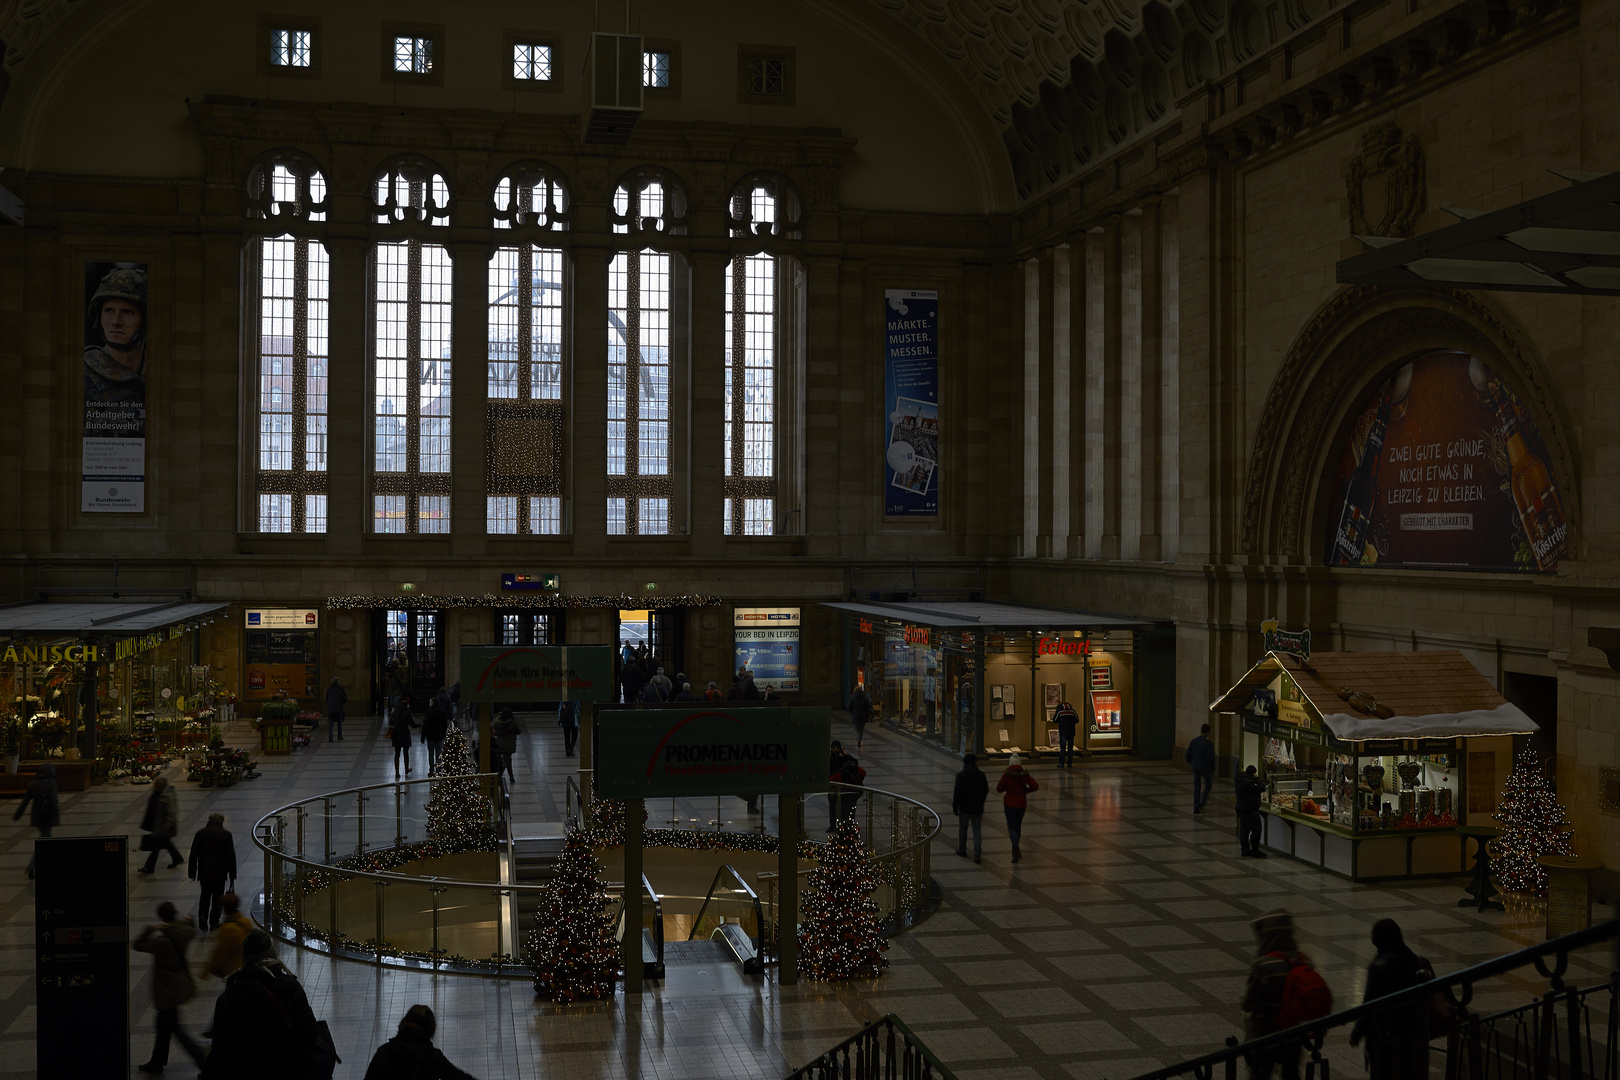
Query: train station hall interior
(423, 423)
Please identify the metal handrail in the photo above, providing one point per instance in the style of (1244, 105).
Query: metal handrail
(914, 1062)
(657, 910)
(753, 897)
(1458, 988)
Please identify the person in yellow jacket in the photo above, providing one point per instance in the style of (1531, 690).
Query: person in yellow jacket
(227, 954)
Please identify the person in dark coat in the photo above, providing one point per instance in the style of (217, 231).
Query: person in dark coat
(1067, 721)
(631, 680)
(1201, 758)
(411, 1053)
(967, 803)
(435, 725)
(263, 1028)
(860, 711)
(40, 800)
(213, 859)
(650, 694)
(503, 736)
(1397, 1040)
(1249, 789)
(402, 721)
(568, 720)
(685, 694)
(172, 985)
(336, 698)
(160, 822)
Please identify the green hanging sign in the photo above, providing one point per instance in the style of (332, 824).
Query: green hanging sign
(537, 673)
(758, 750)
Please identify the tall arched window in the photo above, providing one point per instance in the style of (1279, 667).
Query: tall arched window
(641, 310)
(758, 291)
(528, 294)
(290, 278)
(411, 353)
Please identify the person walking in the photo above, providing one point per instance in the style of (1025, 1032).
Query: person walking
(1397, 1039)
(967, 803)
(263, 1026)
(172, 985)
(160, 823)
(568, 720)
(396, 681)
(1067, 721)
(213, 859)
(399, 736)
(503, 734)
(44, 808)
(233, 931)
(685, 694)
(411, 1052)
(713, 693)
(666, 689)
(1249, 789)
(336, 699)
(1263, 994)
(1201, 757)
(631, 680)
(860, 712)
(650, 694)
(835, 775)
(1015, 785)
(435, 725)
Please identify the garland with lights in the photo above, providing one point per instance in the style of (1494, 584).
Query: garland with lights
(841, 936)
(1533, 824)
(413, 601)
(572, 947)
(457, 812)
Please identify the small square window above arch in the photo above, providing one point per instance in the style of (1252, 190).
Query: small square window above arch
(288, 47)
(533, 61)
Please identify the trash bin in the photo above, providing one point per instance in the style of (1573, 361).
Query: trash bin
(1569, 892)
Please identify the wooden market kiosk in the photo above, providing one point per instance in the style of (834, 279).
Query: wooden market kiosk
(1373, 759)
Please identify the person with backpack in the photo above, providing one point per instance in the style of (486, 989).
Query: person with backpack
(1283, 991)
(263, 1027)
(1067, 721)
(1015, 785)
(1397, 1039)
(650, 694)
(967, 803)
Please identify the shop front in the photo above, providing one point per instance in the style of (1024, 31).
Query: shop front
(1372, 761)
(77, 677)
(989, 677)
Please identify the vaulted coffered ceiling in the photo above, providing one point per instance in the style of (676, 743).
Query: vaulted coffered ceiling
(1063, 82)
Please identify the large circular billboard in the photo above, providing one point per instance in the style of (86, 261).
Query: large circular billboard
(1444, 468)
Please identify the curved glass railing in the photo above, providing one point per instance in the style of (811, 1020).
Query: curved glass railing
(345, 872)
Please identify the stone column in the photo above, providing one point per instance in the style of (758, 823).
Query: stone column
(469, 415)
(1082, 529)
(1152, 381)
(349, 424)
(1044, 494)
(1112, 398)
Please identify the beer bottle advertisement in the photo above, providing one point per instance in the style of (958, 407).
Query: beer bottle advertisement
(1443, 467)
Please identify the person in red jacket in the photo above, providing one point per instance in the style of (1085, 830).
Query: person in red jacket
(1015, 785)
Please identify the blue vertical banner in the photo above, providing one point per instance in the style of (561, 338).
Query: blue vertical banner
(911, 398)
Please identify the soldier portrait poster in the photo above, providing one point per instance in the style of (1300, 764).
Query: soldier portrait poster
(911, 394)
(1444, 467)
(116, 351)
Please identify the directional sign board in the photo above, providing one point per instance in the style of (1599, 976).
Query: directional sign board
(663, 752)
(537, 673)
(81, 957)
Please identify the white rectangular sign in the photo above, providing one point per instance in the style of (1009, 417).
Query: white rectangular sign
(283, 619)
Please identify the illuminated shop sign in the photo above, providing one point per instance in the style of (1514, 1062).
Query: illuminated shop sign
(49, 654)
(1059, 647)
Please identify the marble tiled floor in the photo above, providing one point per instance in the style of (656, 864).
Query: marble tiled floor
(1119, 944)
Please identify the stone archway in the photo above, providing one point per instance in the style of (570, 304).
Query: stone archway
(1349, 345)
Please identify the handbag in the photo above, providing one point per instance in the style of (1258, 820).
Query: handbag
(388, 732)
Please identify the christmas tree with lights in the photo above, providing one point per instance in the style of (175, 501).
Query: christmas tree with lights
(1533, 823)
(457, 812)
(840, 936)
(572, 948)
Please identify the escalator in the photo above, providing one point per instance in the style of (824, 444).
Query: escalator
(652, 930)
(730, 918)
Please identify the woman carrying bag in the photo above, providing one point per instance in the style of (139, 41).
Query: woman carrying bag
(1015, 785)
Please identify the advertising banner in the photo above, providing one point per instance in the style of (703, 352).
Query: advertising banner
(1445, 468)
(662, 753)
(537, 673)
(282, 661)
(911, 397)
(113, 453)
(767, 644)
(282, 618)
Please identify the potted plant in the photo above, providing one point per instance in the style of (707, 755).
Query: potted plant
(11, 739)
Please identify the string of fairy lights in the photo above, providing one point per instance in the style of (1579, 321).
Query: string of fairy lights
(438, 601)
